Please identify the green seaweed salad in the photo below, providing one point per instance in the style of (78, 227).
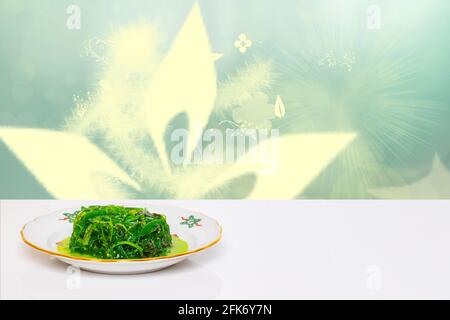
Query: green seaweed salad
(117, 232)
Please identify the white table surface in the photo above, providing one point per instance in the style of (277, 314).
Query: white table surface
(270, 250)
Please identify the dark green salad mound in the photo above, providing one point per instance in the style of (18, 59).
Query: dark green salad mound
(116, 232)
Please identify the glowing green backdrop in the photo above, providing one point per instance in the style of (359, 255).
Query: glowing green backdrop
(368, 81)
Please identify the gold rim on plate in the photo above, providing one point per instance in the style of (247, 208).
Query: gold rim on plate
(57, 254)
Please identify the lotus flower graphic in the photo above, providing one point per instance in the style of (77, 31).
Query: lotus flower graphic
(133, 108)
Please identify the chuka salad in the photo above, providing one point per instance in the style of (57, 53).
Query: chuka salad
(116, 232)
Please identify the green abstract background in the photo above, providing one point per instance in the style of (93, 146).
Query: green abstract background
(389, 85)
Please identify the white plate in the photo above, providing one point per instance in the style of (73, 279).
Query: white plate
(198, 230)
